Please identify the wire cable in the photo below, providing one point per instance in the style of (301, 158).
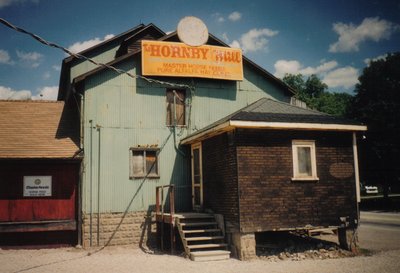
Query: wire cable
(82, 57)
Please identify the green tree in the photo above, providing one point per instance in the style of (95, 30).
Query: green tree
(314, 87)
(314, 93)
(336, 104)
(377, 104)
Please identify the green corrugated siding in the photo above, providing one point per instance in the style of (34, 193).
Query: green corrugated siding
(104, 56)
(132, 112)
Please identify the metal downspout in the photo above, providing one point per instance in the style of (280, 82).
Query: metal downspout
(356, 174)
(82, 168)
(98, 189)
(91, 185)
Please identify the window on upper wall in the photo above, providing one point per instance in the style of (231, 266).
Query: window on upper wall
(176, 107)
(304, 160)
(144, 163)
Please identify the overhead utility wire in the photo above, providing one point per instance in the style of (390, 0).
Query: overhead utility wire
(82, 57)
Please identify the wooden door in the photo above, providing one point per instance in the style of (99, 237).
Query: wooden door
(197, 177)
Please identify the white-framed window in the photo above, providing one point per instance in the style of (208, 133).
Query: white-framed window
(144, 163)
(304, 160)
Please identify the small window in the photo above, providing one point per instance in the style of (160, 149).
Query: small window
(144, 163)
(304, 160)
(176, 107)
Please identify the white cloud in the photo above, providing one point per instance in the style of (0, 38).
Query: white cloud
(294, 67)
(80, 46)
(254, 40)
(5, 3)
(342, 77)
(324, 67)
(235, 16)
(47, 93)
(350, 36)
(235, 44)
(284, 66)
(56, 67)
(225, 37)
(218, 17)
(331, 75)
(5, 57)
(380, 57)
(46, 75)
(6, 93)
(31, 59)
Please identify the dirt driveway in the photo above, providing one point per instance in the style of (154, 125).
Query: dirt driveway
(125, 259)
(379, 241)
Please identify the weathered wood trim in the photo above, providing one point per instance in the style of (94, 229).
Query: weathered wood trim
(356, 171)
(302, 126)
(232, 124)
(38, 226)
(217, 130)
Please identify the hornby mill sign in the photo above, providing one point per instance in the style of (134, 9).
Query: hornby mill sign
(182, 60)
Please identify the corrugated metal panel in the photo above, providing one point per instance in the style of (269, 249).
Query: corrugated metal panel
(85, 66)
(132, 112)
(116, 188)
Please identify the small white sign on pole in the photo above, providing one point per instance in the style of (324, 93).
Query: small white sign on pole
(37, 186)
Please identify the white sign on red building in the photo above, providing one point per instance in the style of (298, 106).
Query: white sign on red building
(35, 186)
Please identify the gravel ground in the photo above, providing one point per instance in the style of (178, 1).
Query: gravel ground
(380, 246)
(128, 259)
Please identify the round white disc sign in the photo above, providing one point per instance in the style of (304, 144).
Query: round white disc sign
(192, 31)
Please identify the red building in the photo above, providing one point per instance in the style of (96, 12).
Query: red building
(39, 173)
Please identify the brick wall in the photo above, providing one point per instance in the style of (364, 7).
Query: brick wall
(220, 188)
(137, 228)
(270, 200)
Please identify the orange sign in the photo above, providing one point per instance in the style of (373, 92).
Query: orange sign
(181, 60)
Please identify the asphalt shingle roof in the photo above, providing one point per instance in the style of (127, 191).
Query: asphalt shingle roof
(269, 110)
(38, 129)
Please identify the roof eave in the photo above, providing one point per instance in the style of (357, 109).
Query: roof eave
(234, 124)
(90, 49)
(173, 34)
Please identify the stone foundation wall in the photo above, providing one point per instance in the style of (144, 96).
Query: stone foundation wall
(135, 228)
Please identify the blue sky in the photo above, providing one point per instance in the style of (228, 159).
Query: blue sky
(333, 39)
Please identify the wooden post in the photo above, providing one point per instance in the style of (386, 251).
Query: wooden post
(157, 200)
(172, 212)
(348, 239)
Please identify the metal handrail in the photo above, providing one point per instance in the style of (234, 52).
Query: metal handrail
(160, 206)
(160, 203)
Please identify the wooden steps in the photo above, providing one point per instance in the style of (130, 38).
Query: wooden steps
(206, 246)
(202, 230)
(196, 224)
(204, 238)
(212, 255)
(201, 237)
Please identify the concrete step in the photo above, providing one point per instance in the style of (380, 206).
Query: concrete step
(188, 231)
(211, 255)
(195, 224)
(206, 246)
(203, 238)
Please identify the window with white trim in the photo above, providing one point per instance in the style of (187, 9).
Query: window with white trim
(304, 160)
(144, 163)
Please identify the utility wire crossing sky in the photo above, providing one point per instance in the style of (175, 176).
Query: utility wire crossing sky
(333, 39)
